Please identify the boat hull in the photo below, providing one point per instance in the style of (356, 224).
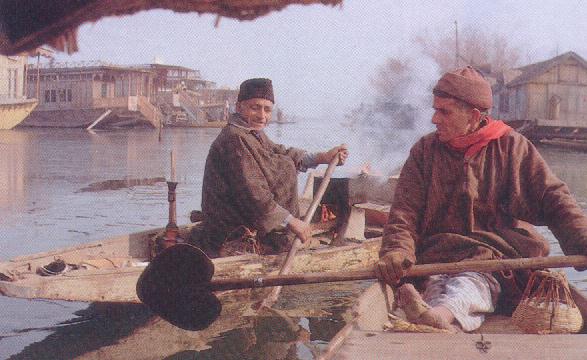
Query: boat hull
(13, 113)
(109, 269)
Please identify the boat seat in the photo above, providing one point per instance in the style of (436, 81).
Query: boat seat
(362, 218)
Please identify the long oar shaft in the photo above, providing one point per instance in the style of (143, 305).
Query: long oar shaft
(288, 263)
(416, 270)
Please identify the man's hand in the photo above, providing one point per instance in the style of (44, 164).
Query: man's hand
(326, 157)
(392, 267)
(301, 229)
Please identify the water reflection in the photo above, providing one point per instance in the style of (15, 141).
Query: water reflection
(120, 331)
(100, 325)
(13, 147)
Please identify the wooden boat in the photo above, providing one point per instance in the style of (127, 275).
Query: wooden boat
(580, 145)
(498, 338)
(107, 271)
(14, 112)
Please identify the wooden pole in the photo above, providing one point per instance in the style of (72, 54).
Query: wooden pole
(288, 263)
(456, 45)
(38, 85)
(416, 270)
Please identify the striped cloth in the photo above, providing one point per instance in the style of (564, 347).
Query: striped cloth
(467, 295)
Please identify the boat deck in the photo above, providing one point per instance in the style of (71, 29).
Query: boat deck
(362, 344)
(498, 337)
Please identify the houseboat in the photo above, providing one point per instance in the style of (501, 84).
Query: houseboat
(14, 105)
(547, 100)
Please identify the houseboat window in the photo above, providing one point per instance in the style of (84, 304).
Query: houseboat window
(12, 78)
(104, 91)
(62, 95)
(50, 96)
(504, 102)
(133, 87)
(118, 89)
(69, 95)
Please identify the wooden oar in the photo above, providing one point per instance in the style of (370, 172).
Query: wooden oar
(297, 244)
(178, 284)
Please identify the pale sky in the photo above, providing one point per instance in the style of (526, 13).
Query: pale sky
(320, 58)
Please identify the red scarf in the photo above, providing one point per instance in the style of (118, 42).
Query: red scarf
(472, 143)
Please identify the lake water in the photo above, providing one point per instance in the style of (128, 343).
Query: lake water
(41, 208)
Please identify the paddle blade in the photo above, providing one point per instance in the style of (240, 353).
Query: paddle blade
(175, 286)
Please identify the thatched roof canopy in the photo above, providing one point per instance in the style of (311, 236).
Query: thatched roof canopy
(27, 24)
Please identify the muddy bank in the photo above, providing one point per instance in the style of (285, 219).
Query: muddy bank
(120, 184)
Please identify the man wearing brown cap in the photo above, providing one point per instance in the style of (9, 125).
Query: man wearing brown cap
(249, 193)
(471, 190)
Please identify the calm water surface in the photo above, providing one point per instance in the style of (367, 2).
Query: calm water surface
(41, 208)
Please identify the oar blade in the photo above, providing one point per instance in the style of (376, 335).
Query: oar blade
(174, 286)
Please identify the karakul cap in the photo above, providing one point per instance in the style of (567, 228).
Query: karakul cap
(256, 89)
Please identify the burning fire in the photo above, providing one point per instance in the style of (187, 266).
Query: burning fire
(326, 214)
(366, 169)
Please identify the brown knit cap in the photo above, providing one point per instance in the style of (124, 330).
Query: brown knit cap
(468, 85)
(256, 89)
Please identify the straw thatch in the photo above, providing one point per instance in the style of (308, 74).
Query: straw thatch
(27, 24)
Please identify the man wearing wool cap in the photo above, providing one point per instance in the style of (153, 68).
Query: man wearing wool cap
(471, 191)
(249, 192)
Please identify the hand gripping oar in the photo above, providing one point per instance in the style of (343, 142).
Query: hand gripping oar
(297, 244)
(178, 284)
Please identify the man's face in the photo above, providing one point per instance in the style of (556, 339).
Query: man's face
(256, 112)
(452, 120)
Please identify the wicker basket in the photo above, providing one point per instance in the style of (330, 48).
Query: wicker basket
(547, 306)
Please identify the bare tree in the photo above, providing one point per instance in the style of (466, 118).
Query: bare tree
(492, 52)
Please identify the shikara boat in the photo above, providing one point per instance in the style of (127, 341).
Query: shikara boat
(498, 338)
(580, 145)
(107, 271)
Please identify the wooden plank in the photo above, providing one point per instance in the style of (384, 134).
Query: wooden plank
(382, 345)
(370, 312)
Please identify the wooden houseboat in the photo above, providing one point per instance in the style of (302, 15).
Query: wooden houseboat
(91, 94)
(550, 97)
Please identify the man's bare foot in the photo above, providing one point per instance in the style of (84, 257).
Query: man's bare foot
(411, 302)
(438, 317)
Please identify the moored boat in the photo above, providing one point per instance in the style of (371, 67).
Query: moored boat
(580, 145)
(364, 337)
(14, 104)
(13, 112)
